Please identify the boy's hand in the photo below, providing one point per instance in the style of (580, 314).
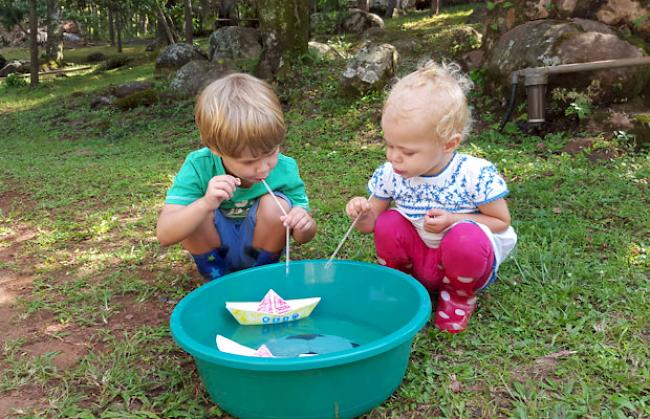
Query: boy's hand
(298, 220)
(437, 220)
(220, 188)
(357, 206)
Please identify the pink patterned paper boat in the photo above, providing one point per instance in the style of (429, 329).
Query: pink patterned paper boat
(271, 309)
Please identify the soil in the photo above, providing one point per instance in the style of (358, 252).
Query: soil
(40, 332)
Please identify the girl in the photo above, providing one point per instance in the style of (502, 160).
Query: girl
(450, 225)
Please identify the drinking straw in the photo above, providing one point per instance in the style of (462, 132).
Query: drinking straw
(277, 202)
(347, 233)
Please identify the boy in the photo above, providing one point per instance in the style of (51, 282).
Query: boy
(218, 208)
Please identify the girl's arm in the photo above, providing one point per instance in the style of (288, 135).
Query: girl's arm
(367, 211)
(495, 215)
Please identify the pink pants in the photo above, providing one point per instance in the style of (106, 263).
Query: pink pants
(457, 269)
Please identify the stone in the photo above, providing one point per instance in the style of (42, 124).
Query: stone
(195, 75)
(176, 56)
(358, 21)
(554, 42)
(234, 43)
(370, 69)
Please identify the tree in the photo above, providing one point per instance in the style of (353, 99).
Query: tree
(285, 28)
(12, 14)
(54, 43)
(188, 21)
(33, 42)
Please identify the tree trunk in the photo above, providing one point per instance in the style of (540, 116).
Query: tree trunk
(111, 26)
(390, 8)
(33, 42)
(285, 28)
(162, 21)
(435, 7)
(54, 46)
(188, 21)
(119, 26)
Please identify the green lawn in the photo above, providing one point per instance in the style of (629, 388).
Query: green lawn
(87, 290)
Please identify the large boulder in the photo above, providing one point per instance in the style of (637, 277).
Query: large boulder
(554, 42)
(358, 21)
(502, 16)
(234, 43)
(176, 56)
(195, 75)
(370, 69)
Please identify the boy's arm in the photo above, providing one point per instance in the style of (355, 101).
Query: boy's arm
(177, 222)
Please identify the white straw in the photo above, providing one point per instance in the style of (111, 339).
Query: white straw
(347, 233)
(286, 249)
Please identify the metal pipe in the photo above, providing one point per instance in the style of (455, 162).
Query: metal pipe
(536, 79)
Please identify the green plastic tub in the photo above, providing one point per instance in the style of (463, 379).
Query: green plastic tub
(375, 309)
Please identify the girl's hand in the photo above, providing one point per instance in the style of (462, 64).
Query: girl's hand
(298, 220)
(357, 206)
(437, 220)
(220, 188)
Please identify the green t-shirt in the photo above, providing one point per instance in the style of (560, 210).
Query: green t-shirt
(202, 165)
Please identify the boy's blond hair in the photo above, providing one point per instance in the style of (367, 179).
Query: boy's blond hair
(237, 113)
(445, 80)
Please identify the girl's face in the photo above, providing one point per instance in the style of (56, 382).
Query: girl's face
(249, 169)
(413, 149)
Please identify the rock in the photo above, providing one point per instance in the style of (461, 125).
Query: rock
(358, 21)
(71, 37)
(195, 75)
(102, 102)
(472, 60)
(95, 57)
(634, 14)
(141, 98)
(554, 42)
(10, 68)
(324, 51)
(234, 43)
(176, 56)
(115, 61)
(127, 89)
(71, 26)
(371, 68)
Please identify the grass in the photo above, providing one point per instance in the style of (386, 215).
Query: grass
(565, 332)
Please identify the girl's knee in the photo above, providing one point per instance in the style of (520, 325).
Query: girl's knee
(466, 251)
(390, 224)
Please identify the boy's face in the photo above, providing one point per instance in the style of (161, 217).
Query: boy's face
(412, 146)
(250, 169)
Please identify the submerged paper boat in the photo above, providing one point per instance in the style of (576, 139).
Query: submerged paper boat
(272, 309)
(230, 346)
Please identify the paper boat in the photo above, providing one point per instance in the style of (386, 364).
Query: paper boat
(272, 309)
(230, 346)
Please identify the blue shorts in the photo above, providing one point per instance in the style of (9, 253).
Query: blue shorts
(237, 234)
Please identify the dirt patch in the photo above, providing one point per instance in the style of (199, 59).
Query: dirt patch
(542, 367)
(20, 403)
